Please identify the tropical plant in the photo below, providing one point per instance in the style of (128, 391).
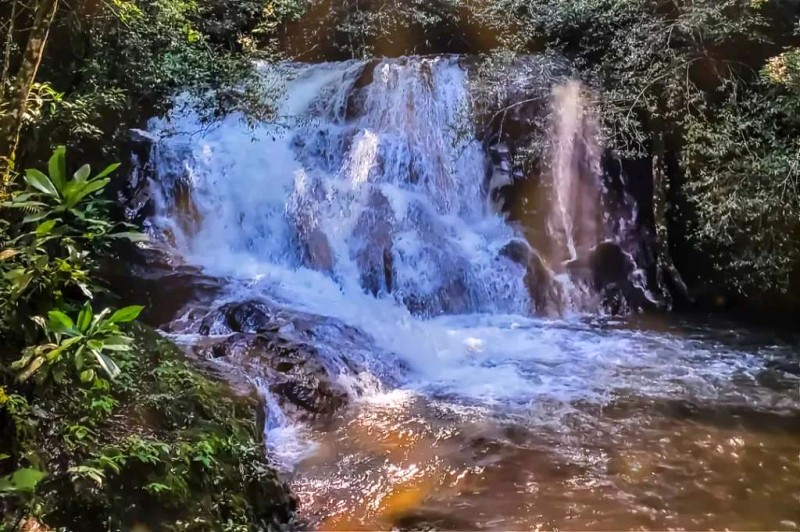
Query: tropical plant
(48, 252)
(84, 344)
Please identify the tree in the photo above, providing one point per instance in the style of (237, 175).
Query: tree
(12, 113)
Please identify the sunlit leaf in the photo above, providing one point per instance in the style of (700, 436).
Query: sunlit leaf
(58, 167)
(21, 480)
(126, 314)
(108, 169)
(59, 318)
(45, 227)
(85, 317)
(40, 182)
(8, 253)
(108, 365)
(82, 174)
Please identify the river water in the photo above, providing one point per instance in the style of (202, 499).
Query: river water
(366, 203)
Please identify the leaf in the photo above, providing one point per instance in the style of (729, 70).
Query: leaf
(82, 174)
(126, 314)
(35, 365)
(35, 217)
(85, 317)
(131, 236)
(40, 182)
(8, 253)
(45, 227)
(61, 319)
(108, 365)
(87, 376)
(108, 169)
(89, 188)
(20, 281)
(21, 480)
(58, 167)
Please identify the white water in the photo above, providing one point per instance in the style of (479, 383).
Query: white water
(389, 178)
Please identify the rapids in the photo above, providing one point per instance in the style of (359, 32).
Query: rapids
(366, 203)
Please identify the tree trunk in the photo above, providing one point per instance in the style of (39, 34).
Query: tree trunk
(11, 119)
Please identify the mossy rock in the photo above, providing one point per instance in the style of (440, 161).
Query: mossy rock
(164, 446)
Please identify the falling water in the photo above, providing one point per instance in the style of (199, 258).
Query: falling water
(366, 204)
(574, 210)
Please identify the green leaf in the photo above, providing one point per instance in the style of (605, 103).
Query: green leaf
(82, 174)
(132, 236)
(85, 317)
(45, 227)
(108, 365)
(108, 169)
(89, 188)
(126, 314)
(87, 376)
(40, 182)
(58, 167)
(59, 318)
(35, 365)
(35, 217)
(20, 280)
(21, 480)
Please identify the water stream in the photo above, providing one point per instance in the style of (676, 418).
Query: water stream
(366, 207)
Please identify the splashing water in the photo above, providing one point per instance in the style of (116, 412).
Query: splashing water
(367, 204)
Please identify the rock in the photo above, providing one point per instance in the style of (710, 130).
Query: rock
(372, 245)
(543, 290)
(151, 277)
(318, 251)
(305, 360)
(246, 317)
(517, 251)
(305, 388)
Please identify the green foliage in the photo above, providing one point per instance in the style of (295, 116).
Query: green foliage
(48, 253)
(105, 425)
(186, 455)
(744, 182)
(21, 481)
(113, 64)
(84, 344)
(714, 83)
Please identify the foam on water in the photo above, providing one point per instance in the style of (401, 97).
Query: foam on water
(370, 208)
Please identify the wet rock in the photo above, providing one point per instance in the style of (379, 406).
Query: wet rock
(246, 317)
(372, 245)
(613, 274)
(318, 251)
(314, 247)
(544, 291)
(787, 366)
(294, 372)
(311, 364)
(517, 251)
(156, 280)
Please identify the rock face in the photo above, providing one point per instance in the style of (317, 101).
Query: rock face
(372, 249)
(312, 365)
(305, 388)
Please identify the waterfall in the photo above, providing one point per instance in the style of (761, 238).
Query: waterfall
(573, 212)
(373, 177)
(378, 184)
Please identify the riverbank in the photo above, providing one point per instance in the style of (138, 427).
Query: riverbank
(165, 446)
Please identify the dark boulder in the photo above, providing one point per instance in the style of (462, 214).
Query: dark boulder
(292, 371)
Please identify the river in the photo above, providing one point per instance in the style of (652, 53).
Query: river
(364, 215)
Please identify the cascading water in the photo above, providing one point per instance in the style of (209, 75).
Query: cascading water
(366, 203)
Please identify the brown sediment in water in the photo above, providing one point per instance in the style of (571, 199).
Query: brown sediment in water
(632, 466)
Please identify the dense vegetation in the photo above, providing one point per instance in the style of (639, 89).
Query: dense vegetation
(104, 422)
